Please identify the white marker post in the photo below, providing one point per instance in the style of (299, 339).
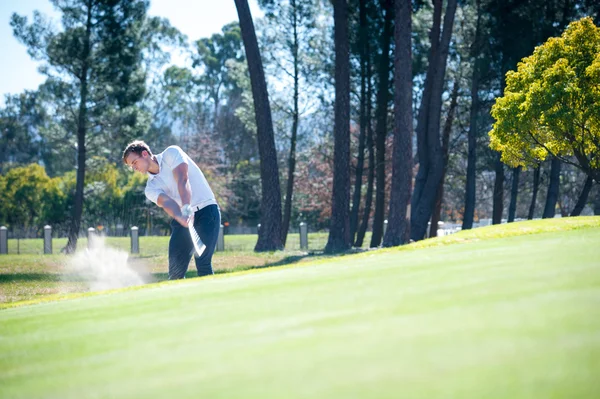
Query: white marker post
(47, 239)
(3, 240)
(303, 236)
(91, 236)
(135, 240)
(221, 240)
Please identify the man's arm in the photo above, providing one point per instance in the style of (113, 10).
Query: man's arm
(172, 208)
(180, 173)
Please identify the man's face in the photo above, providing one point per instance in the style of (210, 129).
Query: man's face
(139, 163)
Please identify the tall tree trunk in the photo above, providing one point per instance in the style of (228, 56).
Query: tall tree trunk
(398, 229)
(597, 202)
(364, 224)
(75, 224)
(583, 197)
(553, 188)
(536, 186)
(381, 132)
(472, 135)
(498, 207)
(426, 187)
(339, 233)
(498, 196)
(269, 235)
(287, 209)
(439, 198)
(360, 161)
(512, 208)
(424, 108)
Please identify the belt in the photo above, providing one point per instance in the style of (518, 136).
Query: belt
(203, 204)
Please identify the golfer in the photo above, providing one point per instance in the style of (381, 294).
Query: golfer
(176, 184)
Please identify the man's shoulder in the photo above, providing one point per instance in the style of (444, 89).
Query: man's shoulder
(173, 152)
(173, 148)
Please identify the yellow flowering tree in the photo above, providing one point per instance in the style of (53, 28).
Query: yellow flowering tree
(551, 104)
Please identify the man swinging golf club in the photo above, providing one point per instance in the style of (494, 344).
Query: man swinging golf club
(176, 184)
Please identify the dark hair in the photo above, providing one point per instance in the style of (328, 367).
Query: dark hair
(137, 147)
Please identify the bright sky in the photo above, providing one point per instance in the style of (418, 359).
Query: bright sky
(194, 18)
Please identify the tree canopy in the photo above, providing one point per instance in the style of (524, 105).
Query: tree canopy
(551, 104)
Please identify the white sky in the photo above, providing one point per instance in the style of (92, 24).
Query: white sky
(194, 18)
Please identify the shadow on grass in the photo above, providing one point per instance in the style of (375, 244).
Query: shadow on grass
(288, 260)
(162, 276)
(51, 277)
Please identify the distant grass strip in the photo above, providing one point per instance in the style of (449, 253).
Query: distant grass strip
(510, 230)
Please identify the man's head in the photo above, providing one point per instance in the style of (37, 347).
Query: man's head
(138, 156)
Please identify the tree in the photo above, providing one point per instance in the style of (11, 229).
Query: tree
(363, 30)
(536, 185)
(398, 227)
(583, 197)
(289, 33)
(169, 89)
(551, 104)
(339, 233)
(20, 121)
(512, 208)
(362, 229)
(366, 126)
(95, 61)
(269, 235)
(553, 188)
(439, 198)
(381, 115)
(477, 56)
(212, 56)
(429, 149)
(30, 198)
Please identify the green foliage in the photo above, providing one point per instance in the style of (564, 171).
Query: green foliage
(551, 104)
(20, 121)
(244, 204)
(211, 57)
(30, 199)
(96, 56)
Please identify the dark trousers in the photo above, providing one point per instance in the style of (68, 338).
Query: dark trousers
(207, 222)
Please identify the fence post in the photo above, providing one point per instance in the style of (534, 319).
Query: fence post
(221, 240)
(47, 239)
(119, 231)
(135, 240)
(303, 236)
(385, 225)
(91, 236)
(3, 240)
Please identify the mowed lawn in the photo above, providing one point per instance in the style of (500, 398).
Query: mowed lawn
(513, 317)
(27, 274)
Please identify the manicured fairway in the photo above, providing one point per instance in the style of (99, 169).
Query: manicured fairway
(515, 317)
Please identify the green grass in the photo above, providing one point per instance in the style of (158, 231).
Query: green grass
(156, 245)
(30, 275)
(493, 317)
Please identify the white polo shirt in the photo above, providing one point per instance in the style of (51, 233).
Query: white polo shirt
(164, 182)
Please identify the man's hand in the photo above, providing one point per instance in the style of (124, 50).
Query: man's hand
(186, 211)
(172, 209)
(182, 221)
(186, 214)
